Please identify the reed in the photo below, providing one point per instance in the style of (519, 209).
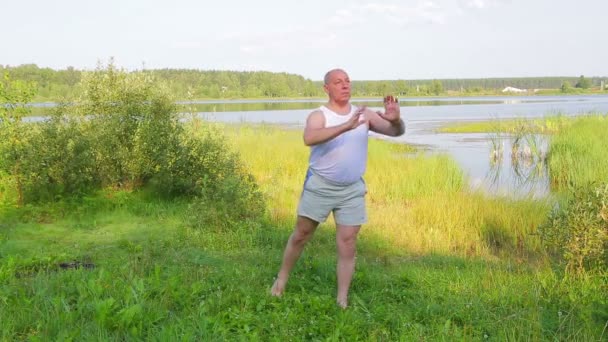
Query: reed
(578, 155)
(544, 125)
(418, 202)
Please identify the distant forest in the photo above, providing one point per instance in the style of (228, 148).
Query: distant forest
(215, 84)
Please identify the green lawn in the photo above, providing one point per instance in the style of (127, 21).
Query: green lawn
(434, 263)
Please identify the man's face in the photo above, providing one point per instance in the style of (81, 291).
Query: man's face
(338, 87)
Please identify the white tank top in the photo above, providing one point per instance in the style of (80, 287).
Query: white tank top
(343, 159)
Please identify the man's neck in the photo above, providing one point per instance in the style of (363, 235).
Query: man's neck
(342, 108)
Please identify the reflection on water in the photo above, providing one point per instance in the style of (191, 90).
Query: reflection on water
(491, 161)
(517, 166)
(269, 105)
(220, 106)
(494, 164)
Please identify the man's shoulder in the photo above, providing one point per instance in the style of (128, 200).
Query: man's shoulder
(316, 118)
(317, 110)
(316, 113)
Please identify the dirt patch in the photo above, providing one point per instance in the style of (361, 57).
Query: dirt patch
(72, 265)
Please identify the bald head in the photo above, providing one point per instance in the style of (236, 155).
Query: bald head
(327, 77)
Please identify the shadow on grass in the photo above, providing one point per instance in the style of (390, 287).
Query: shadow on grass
(154, 275)
(103, 229)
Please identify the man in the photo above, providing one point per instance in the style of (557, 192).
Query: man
(338, 136)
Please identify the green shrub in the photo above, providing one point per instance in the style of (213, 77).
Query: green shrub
(577, 231)
(58, 160)
(230, 194)
(133, 125)
(15, 135)
(124, 132)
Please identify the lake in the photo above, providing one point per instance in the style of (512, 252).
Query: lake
(507, 175)
(499, 176)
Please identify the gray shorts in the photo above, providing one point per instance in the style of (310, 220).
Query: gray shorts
(320, 197)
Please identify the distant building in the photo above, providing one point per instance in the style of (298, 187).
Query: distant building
(513, 90)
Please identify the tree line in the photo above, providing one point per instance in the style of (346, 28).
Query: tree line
(184, 84)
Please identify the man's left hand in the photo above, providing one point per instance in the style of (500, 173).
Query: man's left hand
(392, 112)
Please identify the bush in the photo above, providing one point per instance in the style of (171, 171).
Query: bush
(124, 132)
(132, 123)
(58, 162)
(577, 231)
(230, 193)
(15, 135)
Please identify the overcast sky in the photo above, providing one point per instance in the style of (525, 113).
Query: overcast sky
(407, 39)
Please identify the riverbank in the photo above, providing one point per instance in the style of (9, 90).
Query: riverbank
(435, 262)
(136, 224)
(455, 94)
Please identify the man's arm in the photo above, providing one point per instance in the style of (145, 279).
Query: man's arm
(316, 133)
(389, 122)
(383, 126)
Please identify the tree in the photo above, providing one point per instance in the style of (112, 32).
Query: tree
(583, 83)
(402, 88)
(436, 87)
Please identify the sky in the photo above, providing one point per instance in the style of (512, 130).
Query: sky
(371, 40)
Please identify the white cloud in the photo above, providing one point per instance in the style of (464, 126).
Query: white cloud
(187, 44)
(250, 49)
(411, 13)
(475, 4)
(344, 26)
(343, 17)
(280, 43)
(479, 4)
(375, 13)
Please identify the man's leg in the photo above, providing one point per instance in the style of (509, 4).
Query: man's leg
(303, 231)
(346, 241)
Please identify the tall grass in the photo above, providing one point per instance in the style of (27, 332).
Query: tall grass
(544, 125)
(415, 201)
(578, 155)
(152, 278)
(434, 263)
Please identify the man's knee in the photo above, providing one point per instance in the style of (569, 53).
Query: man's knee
(300, 237)
(347, 243)
(347, 239)
(305, 228)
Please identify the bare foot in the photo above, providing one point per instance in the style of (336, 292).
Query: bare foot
(277, 288)
(342, 303)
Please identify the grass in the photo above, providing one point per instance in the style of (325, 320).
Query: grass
(576, 152)
(545, 125)
(434, 263)
(417, 202)
(578, 155)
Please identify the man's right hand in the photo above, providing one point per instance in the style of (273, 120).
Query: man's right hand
(357, 119)
(315, 131)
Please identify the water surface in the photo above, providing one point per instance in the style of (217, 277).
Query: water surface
(513, 174)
